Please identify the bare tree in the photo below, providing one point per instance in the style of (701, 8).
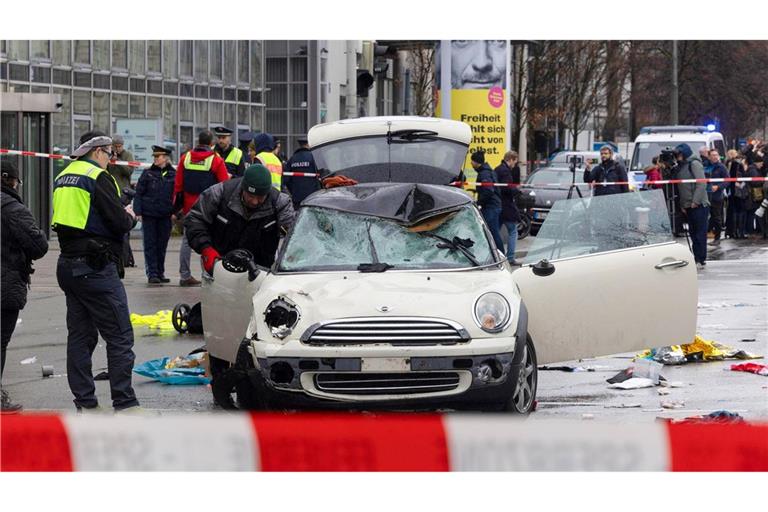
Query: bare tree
(420, 62)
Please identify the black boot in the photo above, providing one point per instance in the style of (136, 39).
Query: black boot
(9, 407)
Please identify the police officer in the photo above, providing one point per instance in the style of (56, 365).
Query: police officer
(153, 206)
(91, 223)
(242, 213)
(264, 147)
(301, 186)
(232, 156)
(198, 169)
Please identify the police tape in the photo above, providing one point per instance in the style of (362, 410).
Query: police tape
(381, 442)
(114, 162)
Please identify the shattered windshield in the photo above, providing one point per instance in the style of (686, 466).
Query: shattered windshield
(324, 239)
(575, 227)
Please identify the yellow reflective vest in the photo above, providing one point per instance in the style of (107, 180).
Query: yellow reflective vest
(73, 192)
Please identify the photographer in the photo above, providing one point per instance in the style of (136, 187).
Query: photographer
(693, 200)
(608, 170)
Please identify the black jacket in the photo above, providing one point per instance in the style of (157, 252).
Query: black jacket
(22, 242)
(609, 171)
(154, 192)
(74, 242)
(234, 170)
(505, 174)
(219, 219)
(301, 187)
(488, 197)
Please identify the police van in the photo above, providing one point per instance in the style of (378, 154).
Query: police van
(653, 139)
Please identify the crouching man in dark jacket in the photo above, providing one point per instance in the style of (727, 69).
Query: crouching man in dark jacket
(153, 205)
(22, 242)
(242, 213)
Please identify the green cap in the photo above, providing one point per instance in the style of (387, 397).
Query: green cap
(257, 180)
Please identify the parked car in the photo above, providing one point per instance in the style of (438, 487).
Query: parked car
(547, 185)
(392, 294)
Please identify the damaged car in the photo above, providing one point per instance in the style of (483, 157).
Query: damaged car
(390, 294)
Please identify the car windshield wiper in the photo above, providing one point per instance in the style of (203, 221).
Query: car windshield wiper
(456, 244)
(412, 135)
(376, 266)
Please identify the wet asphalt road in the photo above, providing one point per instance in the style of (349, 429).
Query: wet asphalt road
(733, 307)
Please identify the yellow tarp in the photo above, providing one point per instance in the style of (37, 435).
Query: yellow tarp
(710, 350)
(160, 320)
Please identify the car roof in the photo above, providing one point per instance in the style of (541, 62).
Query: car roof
(378, 126)
(407, 203)
(678, 136)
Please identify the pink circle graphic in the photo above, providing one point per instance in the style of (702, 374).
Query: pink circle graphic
(496, 96)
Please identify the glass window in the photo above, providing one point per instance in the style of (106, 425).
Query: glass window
(299, 121)
(186, 111)
(170, 108)
(153, 56)
(299, 95)
(215, 60)
(82, 51)
(60, 121)
(277, 69)
(137, 56)
(170, 59)
(201, 61)
(18, 50)
(230, 49)
(578, 227)
(137, 107)
(217, 112)
(40, 50)
(120, 105)
(185, 58)
(299, 69)
(256, 64)
(645, 151)
(201, 114)
(243, 114)
(154, 107)
(229, 114)
(257, 118)
(242, 62)
(101, 111)
(101, 54)
(62, 53)
(331, 240)
(120, 54)
(82, 126)
(82, 102)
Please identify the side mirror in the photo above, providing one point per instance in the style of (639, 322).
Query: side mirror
(543, 268)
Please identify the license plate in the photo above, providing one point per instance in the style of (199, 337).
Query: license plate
(385, 364)
(539, 215)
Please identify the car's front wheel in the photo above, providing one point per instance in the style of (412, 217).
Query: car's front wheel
(523, 399)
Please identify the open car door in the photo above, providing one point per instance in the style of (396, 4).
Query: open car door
(620, 282)
(227, 306)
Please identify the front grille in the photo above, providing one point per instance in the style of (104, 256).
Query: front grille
(395, 331)
(411, 383)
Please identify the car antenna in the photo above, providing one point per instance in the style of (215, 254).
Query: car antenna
(389, 150)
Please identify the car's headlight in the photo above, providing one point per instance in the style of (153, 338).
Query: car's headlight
(492, 312)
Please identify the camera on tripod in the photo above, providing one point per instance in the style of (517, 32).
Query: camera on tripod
(668, 156)
(575, 161)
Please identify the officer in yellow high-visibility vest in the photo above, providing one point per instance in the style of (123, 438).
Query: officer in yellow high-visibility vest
(264, 144)
(91, 224)
(232, 156)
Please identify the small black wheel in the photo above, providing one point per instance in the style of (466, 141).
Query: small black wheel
(523, 400)
(523, 227)
(180, 317)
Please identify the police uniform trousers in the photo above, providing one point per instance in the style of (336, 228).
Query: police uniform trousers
(97, 304)
(157, 231)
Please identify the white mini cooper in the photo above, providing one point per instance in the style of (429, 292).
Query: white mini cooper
(391, 293)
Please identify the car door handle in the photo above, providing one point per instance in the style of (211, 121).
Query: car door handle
(671, 264)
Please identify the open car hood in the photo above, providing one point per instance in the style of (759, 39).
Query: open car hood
(406, 203)
(392, 149)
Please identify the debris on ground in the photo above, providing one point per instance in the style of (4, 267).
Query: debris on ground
(663, 391)
(622, 376)
(623, 406)
(160, 320)
(575, 369)
(634, 383)
(714, 417)
(748, 340)
(671, 383)
(47, 370)
(672, 404)
(759, 369)
(180, 370)
(29, 360)
(647, 369)
(587, 416)
(698, 350)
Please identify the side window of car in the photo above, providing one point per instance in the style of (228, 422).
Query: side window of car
(720, 147)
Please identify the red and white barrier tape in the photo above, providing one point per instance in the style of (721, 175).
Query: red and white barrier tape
(353, 442)
(606, 183)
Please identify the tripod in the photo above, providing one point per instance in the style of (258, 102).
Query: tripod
(573, 184)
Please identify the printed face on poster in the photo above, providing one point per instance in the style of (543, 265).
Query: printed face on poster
(478, 95)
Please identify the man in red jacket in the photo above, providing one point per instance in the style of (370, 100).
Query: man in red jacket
(198, 169)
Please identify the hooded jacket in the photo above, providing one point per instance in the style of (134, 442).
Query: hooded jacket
(690, 193)
(488, 197)
(22, 242)
(218, 170)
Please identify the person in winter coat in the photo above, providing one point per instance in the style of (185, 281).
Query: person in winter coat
(608, 170)
(488, 197)
(509, 172)
(243, 213)
(693, 200)
(755, 170)
(122, 175)
(653, 173)
(198, 169)
(733, 164)
(153, 206)
(22, 242)
(716, 195)
(300, 187)
(740, 200)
